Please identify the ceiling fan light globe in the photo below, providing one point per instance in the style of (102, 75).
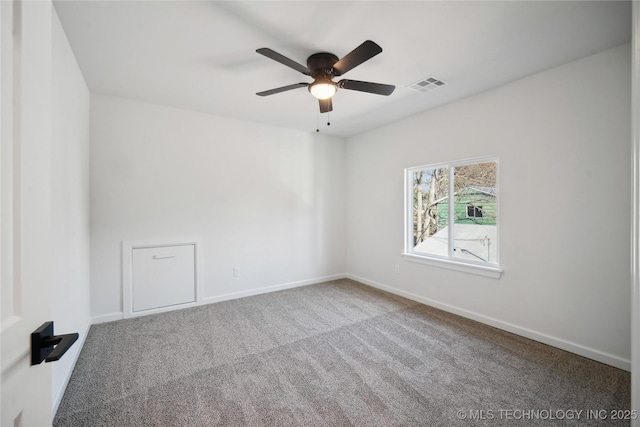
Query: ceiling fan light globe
(323, 90)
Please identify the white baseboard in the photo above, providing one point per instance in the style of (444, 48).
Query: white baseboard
(273, 288)
(103, 318)
(560, 343)
(67, 377)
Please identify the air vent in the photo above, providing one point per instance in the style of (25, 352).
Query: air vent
(427, 84)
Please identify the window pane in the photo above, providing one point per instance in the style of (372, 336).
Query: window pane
(474, 230)
(431, 211)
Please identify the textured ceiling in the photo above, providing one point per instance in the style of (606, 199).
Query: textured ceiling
(201, 55)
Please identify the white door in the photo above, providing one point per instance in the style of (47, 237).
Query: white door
(25, 194)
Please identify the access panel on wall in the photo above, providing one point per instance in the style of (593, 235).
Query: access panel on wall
(162, 276)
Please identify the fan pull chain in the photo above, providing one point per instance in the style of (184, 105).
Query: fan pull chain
(318, 120)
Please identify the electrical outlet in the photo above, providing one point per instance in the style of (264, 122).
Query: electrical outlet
(396, 269)
(236, 271)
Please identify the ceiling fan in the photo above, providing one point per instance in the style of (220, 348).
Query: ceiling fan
(323, 67)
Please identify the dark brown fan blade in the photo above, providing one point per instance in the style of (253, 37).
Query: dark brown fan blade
(377, 88)
(271, 54)
(357, 56)
(325, 105)
(282, 89)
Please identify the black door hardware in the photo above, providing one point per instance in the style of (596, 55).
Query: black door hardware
(48, 347)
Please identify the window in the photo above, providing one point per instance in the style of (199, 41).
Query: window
(451, 215)
(474, 211)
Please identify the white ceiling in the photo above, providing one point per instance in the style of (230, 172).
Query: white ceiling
(201, 55)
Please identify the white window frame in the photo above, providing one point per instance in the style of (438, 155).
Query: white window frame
(492, 270)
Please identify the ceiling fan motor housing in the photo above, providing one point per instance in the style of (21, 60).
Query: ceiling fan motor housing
(321, 64)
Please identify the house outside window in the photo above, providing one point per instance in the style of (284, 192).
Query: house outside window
(451, 215)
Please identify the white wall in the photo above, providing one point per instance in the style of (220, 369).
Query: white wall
(562, 137)
(70, 302)
(269, 201)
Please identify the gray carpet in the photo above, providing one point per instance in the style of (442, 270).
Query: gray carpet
(337, 353)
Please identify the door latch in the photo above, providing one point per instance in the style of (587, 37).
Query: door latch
(48, 347)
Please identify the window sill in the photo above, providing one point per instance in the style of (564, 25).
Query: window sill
(481, 270)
